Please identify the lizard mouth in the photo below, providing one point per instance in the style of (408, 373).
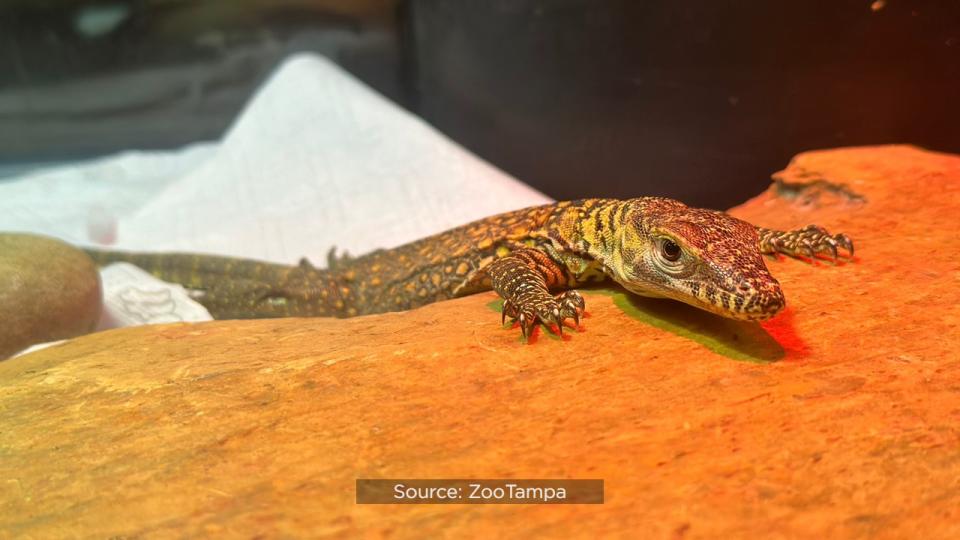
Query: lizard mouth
(739, 305)
(751, 306)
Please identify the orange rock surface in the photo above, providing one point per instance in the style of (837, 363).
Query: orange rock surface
(837, 419)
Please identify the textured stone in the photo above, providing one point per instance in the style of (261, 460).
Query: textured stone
(838, 419)
(49, 290)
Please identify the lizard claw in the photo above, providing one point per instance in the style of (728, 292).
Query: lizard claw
(832, 247)
(571, 305)
(527, 320)
(844, 242)
(548, 309)
(507, 309)
(809, 242)
(555, 318)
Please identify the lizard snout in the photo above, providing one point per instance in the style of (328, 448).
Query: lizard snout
(765, 303)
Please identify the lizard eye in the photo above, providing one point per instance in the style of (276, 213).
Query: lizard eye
(670, 250)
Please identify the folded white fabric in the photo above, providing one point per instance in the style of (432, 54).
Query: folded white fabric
(315, 160)
(133, 297)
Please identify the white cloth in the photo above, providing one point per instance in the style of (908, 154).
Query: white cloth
(315, 160)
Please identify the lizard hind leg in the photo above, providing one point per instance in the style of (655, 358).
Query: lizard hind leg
(809, 242)
(334, 261)
(522, 278)
(239, 299)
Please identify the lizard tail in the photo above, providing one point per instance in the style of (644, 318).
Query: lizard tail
(194, 271)
(235, 288)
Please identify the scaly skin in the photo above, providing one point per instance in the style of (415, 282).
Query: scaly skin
(651, 246)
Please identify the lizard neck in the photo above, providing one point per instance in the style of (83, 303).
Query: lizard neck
(585, 236)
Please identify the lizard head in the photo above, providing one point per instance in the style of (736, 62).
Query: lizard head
(705, 258)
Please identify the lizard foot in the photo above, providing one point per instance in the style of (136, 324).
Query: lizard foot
(546, 309)
(809, 242)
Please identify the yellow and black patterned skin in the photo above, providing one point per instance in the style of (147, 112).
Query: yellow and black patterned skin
(533, 258)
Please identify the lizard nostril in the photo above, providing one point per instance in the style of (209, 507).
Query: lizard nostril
(744, 286)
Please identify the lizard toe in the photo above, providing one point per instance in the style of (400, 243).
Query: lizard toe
(528, 319)
(550, 314)
(508, 310)
(572, 306)
(808, 242)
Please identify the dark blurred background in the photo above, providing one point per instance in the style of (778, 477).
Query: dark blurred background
(696, 100)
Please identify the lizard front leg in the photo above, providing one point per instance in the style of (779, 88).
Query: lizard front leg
(809, 242)
(523, 278)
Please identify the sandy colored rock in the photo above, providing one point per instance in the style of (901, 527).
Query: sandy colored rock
(49, 290)
(838, 419)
